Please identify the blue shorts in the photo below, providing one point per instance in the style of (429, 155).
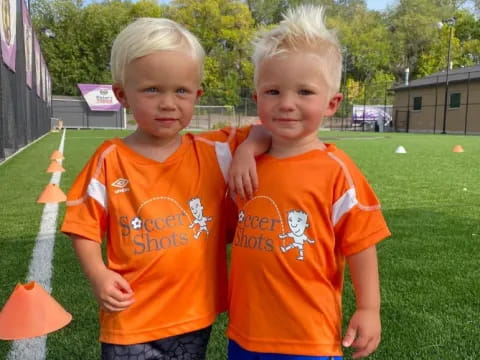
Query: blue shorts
(236, 352)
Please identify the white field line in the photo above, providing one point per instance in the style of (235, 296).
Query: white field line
(40, 270)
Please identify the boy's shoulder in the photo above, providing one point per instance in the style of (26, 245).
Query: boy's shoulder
(225, 134)
(339, 156)
(108, 143)
(106, 147)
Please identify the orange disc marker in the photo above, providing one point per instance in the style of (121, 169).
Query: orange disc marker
(56, 155)
(55, 167)
(52, 194)
(458, 149)
(31, 311)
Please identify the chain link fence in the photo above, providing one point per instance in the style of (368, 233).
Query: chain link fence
(363, 107)
(425, 105)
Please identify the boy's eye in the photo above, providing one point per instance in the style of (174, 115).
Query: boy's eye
(272, 92)
(182, 91)
(305, 92)
(151, 90)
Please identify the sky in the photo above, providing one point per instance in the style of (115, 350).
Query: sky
(378, 4)
(371, 4)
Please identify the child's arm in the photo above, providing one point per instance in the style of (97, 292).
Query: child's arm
(243, 178)
(112, 291)
(364, 329)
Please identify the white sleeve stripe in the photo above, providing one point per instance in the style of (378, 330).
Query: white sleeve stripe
(224, 157)
(77, 201)
(97, 191)
(101, 158)
(369, 208)
(344, 168)
(352, 186)
(343, 205)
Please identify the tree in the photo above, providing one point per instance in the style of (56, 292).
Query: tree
(146, 8)
(365, 39)
(225, 29)
(75, 56)
(414, 30)
(464, 46)
(80, 51)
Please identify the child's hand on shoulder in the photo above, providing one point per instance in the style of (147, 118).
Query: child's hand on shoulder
(112, 291)
(364, 332)
(242, 176)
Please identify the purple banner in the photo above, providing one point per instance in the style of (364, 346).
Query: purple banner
(99, 97)
(36, 51)
(44, 84)
(27, 35)
(49, 89)
(8, 21)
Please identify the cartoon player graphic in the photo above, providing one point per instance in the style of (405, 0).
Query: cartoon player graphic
(297, 221)
(197, 210)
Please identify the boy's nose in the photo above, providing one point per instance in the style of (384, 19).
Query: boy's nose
(287, 103)
(166, 102)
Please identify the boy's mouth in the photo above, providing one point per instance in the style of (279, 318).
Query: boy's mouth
(285, 120)
(166, 119)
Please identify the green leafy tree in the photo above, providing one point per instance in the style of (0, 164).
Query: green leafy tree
(146, 8)
(366, 44)
(266, 12)
(464, 46)
(80, 50)
(413, 31)
(225, 29)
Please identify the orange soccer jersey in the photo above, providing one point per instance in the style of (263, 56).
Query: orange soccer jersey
(289, 251)
(165, 232)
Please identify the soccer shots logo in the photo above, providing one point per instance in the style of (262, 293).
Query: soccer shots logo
(255, 232)
(155, 234)
(268, 233)
(161, 223)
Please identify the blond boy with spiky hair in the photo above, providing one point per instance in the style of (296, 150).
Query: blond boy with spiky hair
(285, 305)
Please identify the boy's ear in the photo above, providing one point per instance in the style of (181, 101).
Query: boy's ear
(333, 104)
(199, 93)
(254, 96)
(120, 95)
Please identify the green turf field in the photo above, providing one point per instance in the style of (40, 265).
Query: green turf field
(429, 268)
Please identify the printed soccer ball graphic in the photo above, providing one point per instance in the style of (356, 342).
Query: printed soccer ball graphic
(241, 216)
(136, 223)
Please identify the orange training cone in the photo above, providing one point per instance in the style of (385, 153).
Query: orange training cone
(31, 311)
(55, 167)
(56, 155)
(52, 194)
(457, 148)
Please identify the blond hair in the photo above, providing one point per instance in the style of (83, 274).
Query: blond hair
(302, 29)
(145, 36)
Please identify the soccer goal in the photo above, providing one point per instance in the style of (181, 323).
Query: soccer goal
(213, 117)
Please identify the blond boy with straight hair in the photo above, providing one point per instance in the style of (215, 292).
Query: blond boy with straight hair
(157, 200)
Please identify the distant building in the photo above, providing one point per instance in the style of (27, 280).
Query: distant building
(96, 108)
(419, 105)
